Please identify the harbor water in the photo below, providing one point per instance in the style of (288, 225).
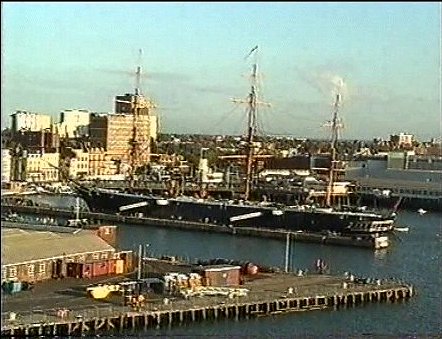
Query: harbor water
(414, 257)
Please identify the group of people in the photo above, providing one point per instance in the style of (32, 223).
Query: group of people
(321, 266)
(137, 302)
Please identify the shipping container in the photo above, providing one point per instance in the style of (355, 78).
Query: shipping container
(16, 287)
(74, 270)
(222, 275)
(111, 266)
(119, 266)
(100, 268)
(87, 271)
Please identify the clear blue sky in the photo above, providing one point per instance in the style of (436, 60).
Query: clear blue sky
(80, 55)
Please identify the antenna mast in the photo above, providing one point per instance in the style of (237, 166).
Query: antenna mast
(335, 126)
(253, 103)
(138, 74)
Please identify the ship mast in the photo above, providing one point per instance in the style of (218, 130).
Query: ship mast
(252, 111)
(335, 125)
(134, 142)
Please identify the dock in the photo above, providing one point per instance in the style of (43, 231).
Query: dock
(327, 239)
(269, 294)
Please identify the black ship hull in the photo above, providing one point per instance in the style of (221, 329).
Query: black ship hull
(235, 215)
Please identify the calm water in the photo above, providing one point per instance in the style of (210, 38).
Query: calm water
(414, 257)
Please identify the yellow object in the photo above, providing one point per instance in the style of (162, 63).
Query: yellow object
(102, 291)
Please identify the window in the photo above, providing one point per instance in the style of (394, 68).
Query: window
(95, 256)
(31, 269)
(104, 256)
(12, 272)
(42, 268)
(81, 258)
(3, 273)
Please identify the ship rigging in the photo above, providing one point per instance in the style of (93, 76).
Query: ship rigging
(252, 113)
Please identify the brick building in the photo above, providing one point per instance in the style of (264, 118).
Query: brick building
(29, 255)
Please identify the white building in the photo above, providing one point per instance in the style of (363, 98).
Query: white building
(74, 123)
(35, 122)
(40, 167)
(79, 165)
(6, 165)
(402, 139)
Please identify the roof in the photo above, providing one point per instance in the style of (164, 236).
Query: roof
(21, 246)
(220, 268)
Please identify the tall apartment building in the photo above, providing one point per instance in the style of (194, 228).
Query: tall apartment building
(74, 123)
(115, 133)
(29, 121)
(138, 105)
(125, 135)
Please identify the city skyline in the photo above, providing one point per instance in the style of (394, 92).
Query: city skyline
(67, 56)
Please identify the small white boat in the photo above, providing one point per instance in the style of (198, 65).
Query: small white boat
(421, 211)
(402, 229)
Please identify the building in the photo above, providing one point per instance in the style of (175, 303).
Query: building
(74, 123)
(136, 104)
(96, 161)
(78, 164)
(29, 121)
(37, 141)
(30, 255)
(422, 162)
(6, 165)
(42, 167)
(222, 275)
(133, 104)
(402, 139)
(115, 133)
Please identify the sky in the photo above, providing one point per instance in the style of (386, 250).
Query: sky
(58, 56)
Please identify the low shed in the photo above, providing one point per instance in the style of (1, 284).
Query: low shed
(222, 275)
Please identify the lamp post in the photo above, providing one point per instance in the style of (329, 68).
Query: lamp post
(145, 253)
(140, 254)
(287, 252)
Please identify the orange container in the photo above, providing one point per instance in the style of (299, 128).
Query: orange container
(119, 266)
(111, 266)
(100, 268)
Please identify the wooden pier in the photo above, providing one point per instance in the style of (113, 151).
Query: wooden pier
(176, 314)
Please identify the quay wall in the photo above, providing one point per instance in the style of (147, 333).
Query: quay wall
(197, 226)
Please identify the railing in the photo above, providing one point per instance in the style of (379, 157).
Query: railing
(400, 187)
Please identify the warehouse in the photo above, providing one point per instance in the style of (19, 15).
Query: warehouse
(30, 255)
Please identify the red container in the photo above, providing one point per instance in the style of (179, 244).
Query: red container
(100, 268)
(111, 266)
(87, 271)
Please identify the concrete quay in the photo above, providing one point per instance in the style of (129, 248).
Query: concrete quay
(327, 239)
(269, 294)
